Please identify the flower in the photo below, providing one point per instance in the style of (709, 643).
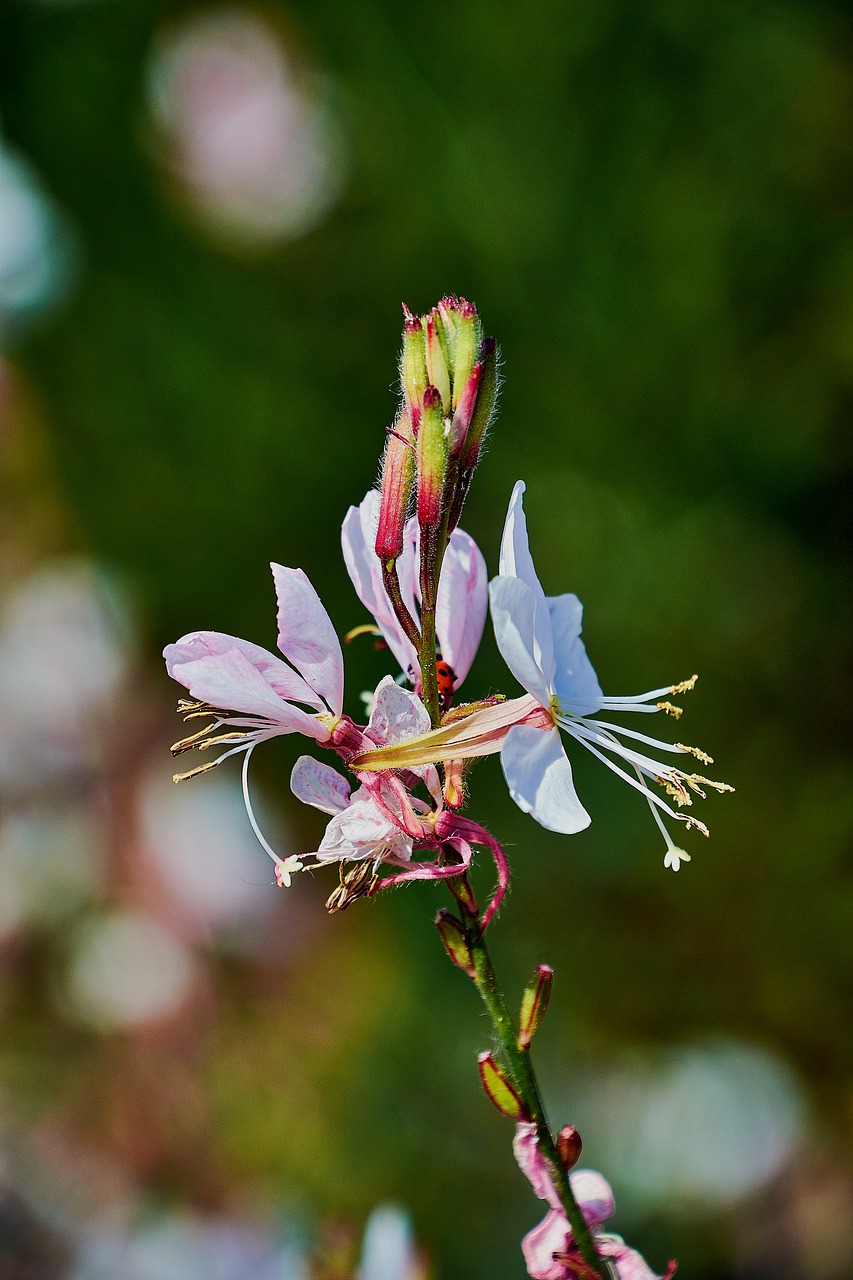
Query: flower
(539, 637)
(462, 593)
(550, 1251)
(252, 695)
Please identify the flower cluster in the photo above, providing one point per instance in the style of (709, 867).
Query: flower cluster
(395, 802)
(424, 581)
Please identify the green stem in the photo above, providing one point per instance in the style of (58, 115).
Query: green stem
(518, 1061)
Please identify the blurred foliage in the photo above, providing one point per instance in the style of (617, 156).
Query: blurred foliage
(651, 205)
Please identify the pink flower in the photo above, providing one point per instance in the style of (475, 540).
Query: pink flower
(462, 592)
(550, 1252)
(252, 694)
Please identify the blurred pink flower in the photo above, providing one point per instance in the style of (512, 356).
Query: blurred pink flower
(550, 1252)
(462, 592)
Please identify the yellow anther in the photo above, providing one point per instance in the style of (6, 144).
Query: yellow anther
(694, 751)
(685, 686)
(676, 712)
(366, 629)
(193, 773)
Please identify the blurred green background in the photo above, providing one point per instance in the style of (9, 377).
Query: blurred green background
(650, 204)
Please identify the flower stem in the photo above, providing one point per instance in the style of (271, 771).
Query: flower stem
(391, 583)
(521, 1069)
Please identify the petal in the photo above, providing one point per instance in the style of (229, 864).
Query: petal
(539, 778)
(363, 831)
(525, 1147)
(522, 626)
(306, 636)
(319, 785)
(461, 606)
(575, 682)
(629, 1264)
(286, 682)
(397, 714)
(540, 1245)
(515, 559)
(230, 682)
(358, 536)
(594, 1196)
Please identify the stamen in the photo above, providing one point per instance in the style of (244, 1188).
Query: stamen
(194, 773)
(366, 629)
(686, 685)
(694, 751)
(675, 712)
(186, 744)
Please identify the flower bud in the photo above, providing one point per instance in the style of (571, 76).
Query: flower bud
(398, 474)
(499, 1089)
(432, 460)
(436, 358)
(413, 368)
(454, 784)
(485, 406)
(569, 1146)
(464, 411)
(534, 1002)
(456, 942)
(466, 348)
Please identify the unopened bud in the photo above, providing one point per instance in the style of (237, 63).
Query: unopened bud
(487, 395)
(534, 1002)
(460, 887)
(437, 358)
(569, 1146)
(466, 348)
(413, 369)
(456, 942)
(432, 460)
(398, 475)
(464, 411)
(499, 1089)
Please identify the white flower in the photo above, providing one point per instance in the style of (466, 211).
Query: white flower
(539, 637)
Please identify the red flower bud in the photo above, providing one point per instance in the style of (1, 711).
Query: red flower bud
(497, 1085)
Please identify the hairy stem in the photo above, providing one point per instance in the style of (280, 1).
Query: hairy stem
(391, 583)
(521, 1070)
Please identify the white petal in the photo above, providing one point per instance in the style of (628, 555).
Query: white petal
(575, 681)
(516, 561)
(539, 778)
(461, 607)
(306, 636)
(397, 714)
(523, 631)
(319, 785)
(594, 1196)
(363, 831)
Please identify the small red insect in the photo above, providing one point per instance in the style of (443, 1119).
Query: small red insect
(446, 680)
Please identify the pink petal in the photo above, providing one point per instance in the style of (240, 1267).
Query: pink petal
(461, 607)
(540, 1245)
(629, 1264)
(319, 785)
(230, 682)
(358, 535)
(594, 1195)
(306, 636)
(532, 1163)
(286, 682)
